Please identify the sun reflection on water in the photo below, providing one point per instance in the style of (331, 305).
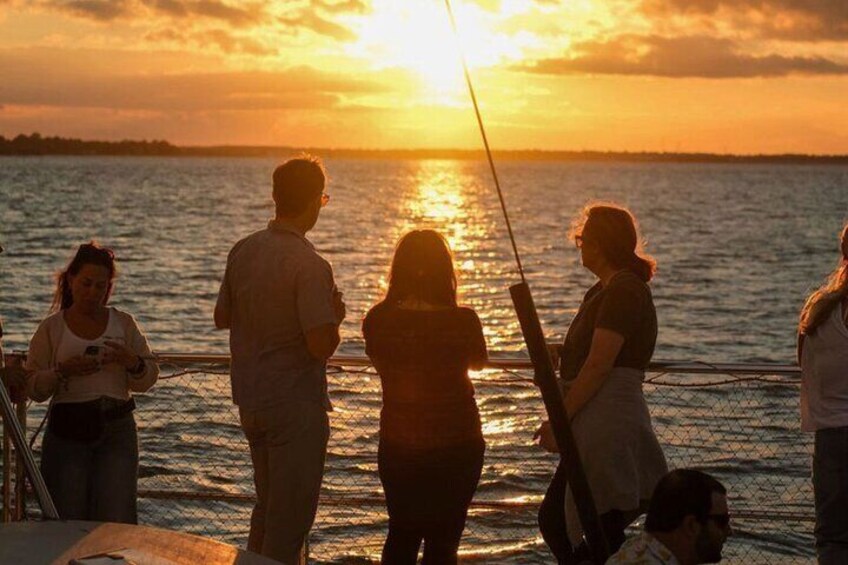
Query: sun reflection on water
(449, 197)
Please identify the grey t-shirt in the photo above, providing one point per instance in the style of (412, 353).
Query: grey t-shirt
(275, 289)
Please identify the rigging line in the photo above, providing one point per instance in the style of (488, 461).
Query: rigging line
(485, 140)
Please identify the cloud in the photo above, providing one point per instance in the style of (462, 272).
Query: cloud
(316, 16)
(40, 78)
(679, 57)
(244, 15)
(226, 41)
(100, 10)
(308, 19)
(340, 6)
(799, 20)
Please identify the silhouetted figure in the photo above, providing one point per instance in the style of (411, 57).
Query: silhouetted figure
(283, 310)
(88, 358)
(823, 356)
(603, 360)
(687, 523)
(431, 445)
(14, 377)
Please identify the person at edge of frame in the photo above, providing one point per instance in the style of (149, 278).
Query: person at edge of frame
(687, 523)
(823, 357)
(13, 376)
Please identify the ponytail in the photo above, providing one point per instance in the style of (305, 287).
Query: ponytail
(644, 266)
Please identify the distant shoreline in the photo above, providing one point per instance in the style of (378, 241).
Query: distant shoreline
(36, 145)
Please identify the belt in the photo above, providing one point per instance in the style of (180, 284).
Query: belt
(114, 412)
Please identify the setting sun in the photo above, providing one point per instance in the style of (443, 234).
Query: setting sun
(416, 36)
(584, 74)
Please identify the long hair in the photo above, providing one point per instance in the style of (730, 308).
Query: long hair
(90, 253)
(821, 302)
(422, 268)
(616, 232)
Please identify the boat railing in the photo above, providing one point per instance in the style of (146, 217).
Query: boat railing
(737, 421)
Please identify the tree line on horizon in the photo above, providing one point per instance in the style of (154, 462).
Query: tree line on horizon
(35, 144)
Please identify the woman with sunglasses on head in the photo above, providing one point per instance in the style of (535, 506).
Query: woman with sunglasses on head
(823, 357)
(88, 358)
(602, 365)
(430, 457)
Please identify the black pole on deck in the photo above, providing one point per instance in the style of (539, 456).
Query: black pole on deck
(545, 376)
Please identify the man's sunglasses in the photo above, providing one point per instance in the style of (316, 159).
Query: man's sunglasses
(721, 520)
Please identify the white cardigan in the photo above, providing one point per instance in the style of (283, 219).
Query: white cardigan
(43, 379)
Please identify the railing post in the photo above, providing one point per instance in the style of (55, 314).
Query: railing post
(20, 468)
(7, 472)
(545, 379)
(27, 462)
(7, 459)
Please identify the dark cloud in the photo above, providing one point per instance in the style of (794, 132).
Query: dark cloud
(40, 78)
(243, 15)
(101, 10)
(679, 57)
(800, 20)
(252, 13)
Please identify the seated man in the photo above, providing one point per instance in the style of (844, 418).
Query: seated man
(687, 523)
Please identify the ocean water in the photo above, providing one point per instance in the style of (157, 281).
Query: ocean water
(739, 247)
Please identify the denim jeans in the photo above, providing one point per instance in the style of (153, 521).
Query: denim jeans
(95, 480)
(288, 444)
(830, 482)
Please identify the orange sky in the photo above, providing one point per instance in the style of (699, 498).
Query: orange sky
(742, 76)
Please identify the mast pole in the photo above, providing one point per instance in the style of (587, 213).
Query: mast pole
(544, 374)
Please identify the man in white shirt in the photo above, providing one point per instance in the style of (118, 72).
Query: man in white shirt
(687, 523)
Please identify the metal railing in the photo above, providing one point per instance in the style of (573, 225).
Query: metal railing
(739, 422)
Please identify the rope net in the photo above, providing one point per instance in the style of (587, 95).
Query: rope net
(196, 474)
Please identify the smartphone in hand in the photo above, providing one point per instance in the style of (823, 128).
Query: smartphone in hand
(95, 352)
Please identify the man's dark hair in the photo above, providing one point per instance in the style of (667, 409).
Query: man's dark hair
(680, 493)
(297, 182)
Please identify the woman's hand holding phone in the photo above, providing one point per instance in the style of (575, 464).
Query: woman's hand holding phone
(119, 353)
(79, 365)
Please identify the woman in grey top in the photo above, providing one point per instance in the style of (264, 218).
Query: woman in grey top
(603, 360)
(823, 356)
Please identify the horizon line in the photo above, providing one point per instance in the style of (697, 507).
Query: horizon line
(37, 144)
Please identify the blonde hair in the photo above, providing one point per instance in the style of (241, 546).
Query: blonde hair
(821, 303)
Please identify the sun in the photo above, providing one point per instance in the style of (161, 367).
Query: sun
(416, 36)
